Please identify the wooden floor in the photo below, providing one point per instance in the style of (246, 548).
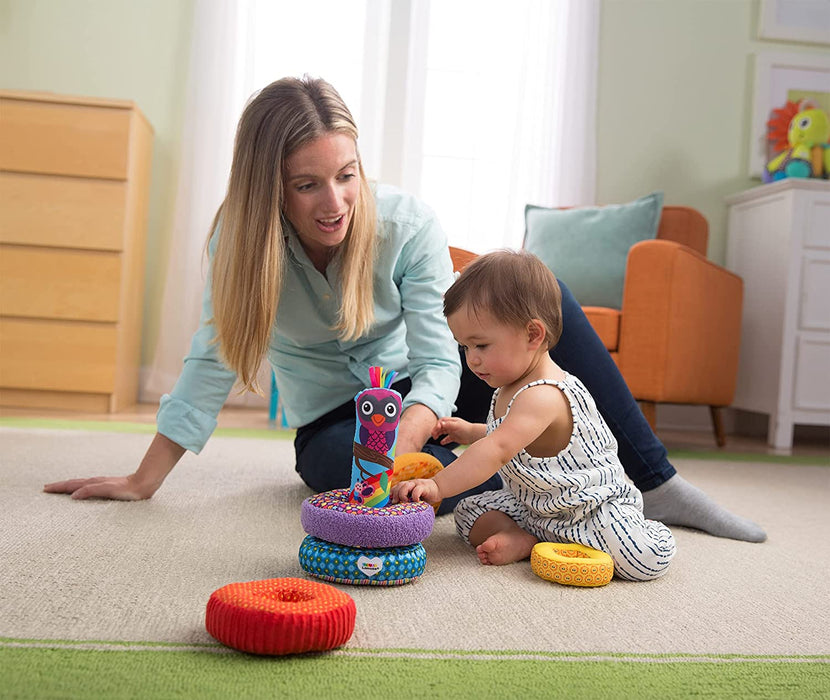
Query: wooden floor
(809, 441)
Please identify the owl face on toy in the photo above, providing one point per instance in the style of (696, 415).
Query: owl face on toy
(378, 412)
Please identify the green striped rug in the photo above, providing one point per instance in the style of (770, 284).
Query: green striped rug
(44, 669)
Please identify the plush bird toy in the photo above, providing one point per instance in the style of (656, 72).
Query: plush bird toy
(801, 132)
(378, 412)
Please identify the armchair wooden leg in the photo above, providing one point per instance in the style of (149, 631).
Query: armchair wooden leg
(649, 409)
(717, 424)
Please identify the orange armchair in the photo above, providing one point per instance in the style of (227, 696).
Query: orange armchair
(677, 336)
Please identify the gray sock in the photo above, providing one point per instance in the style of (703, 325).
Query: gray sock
(677, 502)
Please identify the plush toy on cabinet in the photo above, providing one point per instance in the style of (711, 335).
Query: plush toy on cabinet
(802, 132)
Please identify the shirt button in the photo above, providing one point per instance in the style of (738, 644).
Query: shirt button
(326, 297)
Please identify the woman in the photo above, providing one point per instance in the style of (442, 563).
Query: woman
(327, 277)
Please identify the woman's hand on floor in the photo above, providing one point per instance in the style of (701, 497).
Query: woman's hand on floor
(162, 455)
(119, 488)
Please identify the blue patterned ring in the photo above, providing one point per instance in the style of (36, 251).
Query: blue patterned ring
(393, 566)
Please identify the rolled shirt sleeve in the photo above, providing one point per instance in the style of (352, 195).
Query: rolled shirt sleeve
(187, 415)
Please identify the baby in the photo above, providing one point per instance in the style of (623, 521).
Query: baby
(563, 481)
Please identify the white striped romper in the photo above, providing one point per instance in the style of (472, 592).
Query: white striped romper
(580, 495)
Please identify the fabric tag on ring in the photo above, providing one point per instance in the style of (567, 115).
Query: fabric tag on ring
(370, 567)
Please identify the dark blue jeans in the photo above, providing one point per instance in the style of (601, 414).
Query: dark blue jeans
(324, 447)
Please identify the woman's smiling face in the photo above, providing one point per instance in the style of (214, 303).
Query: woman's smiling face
(322, 185)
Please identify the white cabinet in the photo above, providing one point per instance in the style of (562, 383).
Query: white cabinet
(779, 243)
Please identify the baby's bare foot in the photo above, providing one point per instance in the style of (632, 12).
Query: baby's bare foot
(506, 547)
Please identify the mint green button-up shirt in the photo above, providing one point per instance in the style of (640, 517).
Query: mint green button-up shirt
(315, 370)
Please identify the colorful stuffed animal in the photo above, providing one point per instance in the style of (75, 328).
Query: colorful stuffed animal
(378, 411)
(806, 152)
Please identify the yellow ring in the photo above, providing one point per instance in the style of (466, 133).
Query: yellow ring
(571, 564)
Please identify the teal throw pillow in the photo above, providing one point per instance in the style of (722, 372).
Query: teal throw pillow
(587, 247)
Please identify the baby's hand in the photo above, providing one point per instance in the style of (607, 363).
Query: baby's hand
(416, 490)
(452, 429)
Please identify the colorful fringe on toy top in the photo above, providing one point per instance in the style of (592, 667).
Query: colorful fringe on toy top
(381, 378)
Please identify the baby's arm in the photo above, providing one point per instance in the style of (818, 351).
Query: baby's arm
(452, 430)
(532, 413)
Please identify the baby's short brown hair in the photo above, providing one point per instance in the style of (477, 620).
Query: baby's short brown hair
(514, 287)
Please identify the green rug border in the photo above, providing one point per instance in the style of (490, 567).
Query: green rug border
(64, 672)
(277, 433)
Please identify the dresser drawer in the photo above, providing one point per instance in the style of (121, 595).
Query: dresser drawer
(57, 355)
(59, 283)
(815, 294)
(70, 212)
(817, 226)
(64, 138)
(62, 400)
(811, 385)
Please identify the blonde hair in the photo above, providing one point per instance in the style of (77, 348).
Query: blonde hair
(248, 266)
(513, 287)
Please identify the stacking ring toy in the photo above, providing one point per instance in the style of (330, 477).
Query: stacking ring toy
(280, 616)
(416, 465)
(329, 516)
(571, 564)
(368, 567)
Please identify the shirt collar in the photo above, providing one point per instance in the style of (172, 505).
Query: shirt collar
(295, 248)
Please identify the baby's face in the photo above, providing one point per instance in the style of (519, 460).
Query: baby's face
(495, 352)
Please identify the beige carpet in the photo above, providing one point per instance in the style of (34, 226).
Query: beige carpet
(143, 572)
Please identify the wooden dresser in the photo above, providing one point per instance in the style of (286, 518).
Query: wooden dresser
(74, 185)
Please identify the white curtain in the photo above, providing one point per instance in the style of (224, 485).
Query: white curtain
(477, 106)
(508, 116)
(573, 168)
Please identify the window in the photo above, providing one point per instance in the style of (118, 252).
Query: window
(453, 99)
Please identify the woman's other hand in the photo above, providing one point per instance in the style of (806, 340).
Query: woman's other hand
(119, 488)
(158, 462)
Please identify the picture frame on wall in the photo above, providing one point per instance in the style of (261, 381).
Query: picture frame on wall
(779, 78)
(805, 21)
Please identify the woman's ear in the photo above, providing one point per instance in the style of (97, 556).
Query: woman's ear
(536, 333)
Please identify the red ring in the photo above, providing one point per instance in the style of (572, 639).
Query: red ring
(280, 616)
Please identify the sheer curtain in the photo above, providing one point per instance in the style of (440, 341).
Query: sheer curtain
(215, 93)
(477, 106)
(509, 114)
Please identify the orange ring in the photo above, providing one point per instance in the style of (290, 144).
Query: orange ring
(280, 616)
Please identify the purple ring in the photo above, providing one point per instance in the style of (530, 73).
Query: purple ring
(329, 516)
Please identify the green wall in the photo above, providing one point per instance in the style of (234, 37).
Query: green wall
(675, 102)
(675, 93)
